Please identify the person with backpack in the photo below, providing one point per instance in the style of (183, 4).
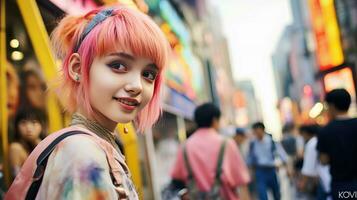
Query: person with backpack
(263, 151)
(209, 165)
(113, 59)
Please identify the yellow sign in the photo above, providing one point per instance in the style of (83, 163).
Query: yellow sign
(328, 44)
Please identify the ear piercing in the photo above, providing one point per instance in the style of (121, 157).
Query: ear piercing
(76, 77)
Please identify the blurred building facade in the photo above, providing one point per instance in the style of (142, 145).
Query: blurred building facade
(247, 108)
(314, 55)
(295, 67)
(202, 73)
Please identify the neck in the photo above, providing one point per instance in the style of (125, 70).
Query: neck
(99, 118)
(342, 115)
(260, 138)
(310, 137)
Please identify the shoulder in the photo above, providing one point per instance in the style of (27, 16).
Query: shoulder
(79, 148)
(16, 147)
(230, 146)
(327, 130)
(229, 142)
(311, 144)
(353, 122)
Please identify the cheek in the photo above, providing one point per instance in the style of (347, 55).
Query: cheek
(101, 86)
(148, 93)
(38, 129)
(22, 129)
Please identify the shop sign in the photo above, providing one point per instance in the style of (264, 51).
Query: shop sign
(328, 44)
(181, 103)
(169, 14)
(340, 79)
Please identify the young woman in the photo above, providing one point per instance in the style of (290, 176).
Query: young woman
(29, 131)
(113, 60)
(32, 90)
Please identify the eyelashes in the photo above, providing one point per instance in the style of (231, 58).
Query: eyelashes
(150, 75)
(119, 67)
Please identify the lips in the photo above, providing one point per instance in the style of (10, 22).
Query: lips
(127, 103)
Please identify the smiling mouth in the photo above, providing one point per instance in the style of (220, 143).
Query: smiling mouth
(127, 101)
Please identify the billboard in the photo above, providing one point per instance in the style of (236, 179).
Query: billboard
(340, 79)
(327, 34)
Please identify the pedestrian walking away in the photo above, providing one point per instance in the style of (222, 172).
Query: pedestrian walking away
(337, 144)
(209, 165)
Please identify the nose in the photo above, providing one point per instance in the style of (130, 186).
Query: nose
(134, 85)
(29, 125)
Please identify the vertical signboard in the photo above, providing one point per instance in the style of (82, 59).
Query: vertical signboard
(327, 35)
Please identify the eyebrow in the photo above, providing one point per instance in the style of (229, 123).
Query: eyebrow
(153, 66)
(123, 55)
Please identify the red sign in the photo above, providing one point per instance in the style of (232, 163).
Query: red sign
(340, 79)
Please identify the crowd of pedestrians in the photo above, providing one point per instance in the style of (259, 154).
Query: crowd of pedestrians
(318, 161)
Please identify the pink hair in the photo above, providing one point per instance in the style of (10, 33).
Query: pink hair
(126, 29)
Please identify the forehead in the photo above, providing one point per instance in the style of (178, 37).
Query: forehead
(153, 52)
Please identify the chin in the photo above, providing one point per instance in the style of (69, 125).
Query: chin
(123, 119)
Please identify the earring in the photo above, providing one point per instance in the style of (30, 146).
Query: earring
(126, 130)
(76, 77)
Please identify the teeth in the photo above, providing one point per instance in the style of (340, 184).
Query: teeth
(130, 103)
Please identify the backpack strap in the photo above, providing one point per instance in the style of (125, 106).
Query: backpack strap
(115, 164)
(187, 163)
(220, 162)
(42, 163)
(273, 147)
(114, 167)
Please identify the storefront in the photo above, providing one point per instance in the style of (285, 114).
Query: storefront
(335, 66)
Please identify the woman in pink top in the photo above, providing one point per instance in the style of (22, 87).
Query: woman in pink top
(113, 60)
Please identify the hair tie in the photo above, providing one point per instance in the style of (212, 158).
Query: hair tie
(98, 18)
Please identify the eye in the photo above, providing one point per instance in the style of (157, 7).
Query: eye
(150, 75)
(35, 121)
(118, 67)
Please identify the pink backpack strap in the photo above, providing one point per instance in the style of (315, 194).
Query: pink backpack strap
(42, 163)
(114, 166)
(114, 161)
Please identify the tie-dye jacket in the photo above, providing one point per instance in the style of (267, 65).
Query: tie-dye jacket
(76, 169)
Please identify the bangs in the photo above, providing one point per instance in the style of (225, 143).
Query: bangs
(30, 114)
(126, 31)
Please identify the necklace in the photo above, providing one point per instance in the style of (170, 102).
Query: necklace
(95, 127)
